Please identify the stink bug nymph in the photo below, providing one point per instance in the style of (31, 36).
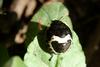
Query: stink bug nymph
(58, 37)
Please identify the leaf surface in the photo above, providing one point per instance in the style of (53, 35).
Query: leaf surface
(15, 62)
(37, 52)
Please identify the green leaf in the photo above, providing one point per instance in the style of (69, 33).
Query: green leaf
(3, 55)
(15, 62)
(1, 2)
(37, 54)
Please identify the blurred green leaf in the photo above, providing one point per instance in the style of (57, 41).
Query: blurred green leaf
(37, 54)
(15, 62)
(3, 55)
(1, 2)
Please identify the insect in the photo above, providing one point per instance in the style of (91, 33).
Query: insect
(58, 37)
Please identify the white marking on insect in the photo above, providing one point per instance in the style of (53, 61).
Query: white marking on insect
(61, 40)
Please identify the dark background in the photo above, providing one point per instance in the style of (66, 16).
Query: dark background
(85, 15)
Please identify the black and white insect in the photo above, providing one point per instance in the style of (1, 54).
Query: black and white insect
(58, 37)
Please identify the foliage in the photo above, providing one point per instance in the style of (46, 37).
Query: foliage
(1, 1)
(15, 62)
(37, 54)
